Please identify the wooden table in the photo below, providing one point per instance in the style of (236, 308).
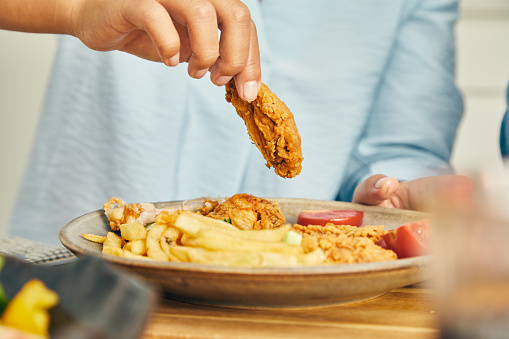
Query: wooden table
(402, 313)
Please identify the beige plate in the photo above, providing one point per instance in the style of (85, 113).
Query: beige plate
(297, 287)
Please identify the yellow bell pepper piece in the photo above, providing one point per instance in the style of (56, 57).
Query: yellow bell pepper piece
(28, 310)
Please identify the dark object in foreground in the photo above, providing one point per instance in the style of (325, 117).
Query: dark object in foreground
(96, 300)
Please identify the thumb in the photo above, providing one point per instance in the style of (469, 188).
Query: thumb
(375, 190)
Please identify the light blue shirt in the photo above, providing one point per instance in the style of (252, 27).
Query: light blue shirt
(371, 85)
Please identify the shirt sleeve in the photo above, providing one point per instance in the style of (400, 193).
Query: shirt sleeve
(412, 124)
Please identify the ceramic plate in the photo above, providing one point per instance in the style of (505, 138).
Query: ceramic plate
(293, 287)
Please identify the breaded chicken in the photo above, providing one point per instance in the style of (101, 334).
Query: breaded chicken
(344, 244)
(272, 128)
(119, 212)
(248, 212)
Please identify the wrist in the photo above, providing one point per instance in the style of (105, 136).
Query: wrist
(65, 16)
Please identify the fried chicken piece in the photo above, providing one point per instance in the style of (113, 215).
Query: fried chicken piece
(208, 206)
(343, 244)
(119, 212)
(272, 128)
(248, 212)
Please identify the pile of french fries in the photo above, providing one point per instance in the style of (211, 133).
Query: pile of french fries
(185, 236)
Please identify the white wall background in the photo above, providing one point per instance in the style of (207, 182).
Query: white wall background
(483, 74)
(25, 63)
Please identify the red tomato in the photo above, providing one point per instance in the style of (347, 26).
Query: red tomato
(337, 217)
(409, 240)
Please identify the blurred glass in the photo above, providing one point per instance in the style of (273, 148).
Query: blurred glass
(471, 251)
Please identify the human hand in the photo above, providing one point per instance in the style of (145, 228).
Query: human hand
(380, 190)
(174, 31)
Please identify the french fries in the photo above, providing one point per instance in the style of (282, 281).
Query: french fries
(192, 223)
(95, 238)
(112, 240)
(154, 249)
(138, 247)
(133, 231)
(190, 237)
(219, 241)
(246, 259)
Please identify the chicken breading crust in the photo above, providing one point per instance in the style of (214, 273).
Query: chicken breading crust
(248, 212)
(272, 128)
(344, 244)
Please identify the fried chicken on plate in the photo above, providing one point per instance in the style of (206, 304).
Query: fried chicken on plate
(248, 212)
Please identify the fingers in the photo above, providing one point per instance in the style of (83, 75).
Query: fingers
(153, 18)
(200, 19)
(236, 26)
(203, 36)
(235, 54)
(376, 190)
(248, 81)
(187, 30)
(234, 20)
(185, 46)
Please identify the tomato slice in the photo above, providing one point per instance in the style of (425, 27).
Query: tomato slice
(408, 240)
(336, 217)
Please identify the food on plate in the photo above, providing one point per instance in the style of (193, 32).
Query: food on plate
(248, 212)
(119, 212)
(28, 310)
(95, 238)
(251, 231)
(336, 217)
(344, 244)
(242, 230)
(247, 259)
(271, 126)
(192, 224)
(189, 236)
(409, 240)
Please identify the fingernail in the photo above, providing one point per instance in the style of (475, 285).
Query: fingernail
(223, 80)
(201, 73)
(250, 90)
(174, 60)
(380, 182)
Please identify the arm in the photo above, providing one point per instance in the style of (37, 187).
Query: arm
(36, 16)
(413, 121)
(169, 31)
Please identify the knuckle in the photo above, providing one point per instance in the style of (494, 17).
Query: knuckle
(204, 11)
(233, 66)
(239, 12)
(211, 59)
(204, 60)
(169, 48)
(149, 12)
